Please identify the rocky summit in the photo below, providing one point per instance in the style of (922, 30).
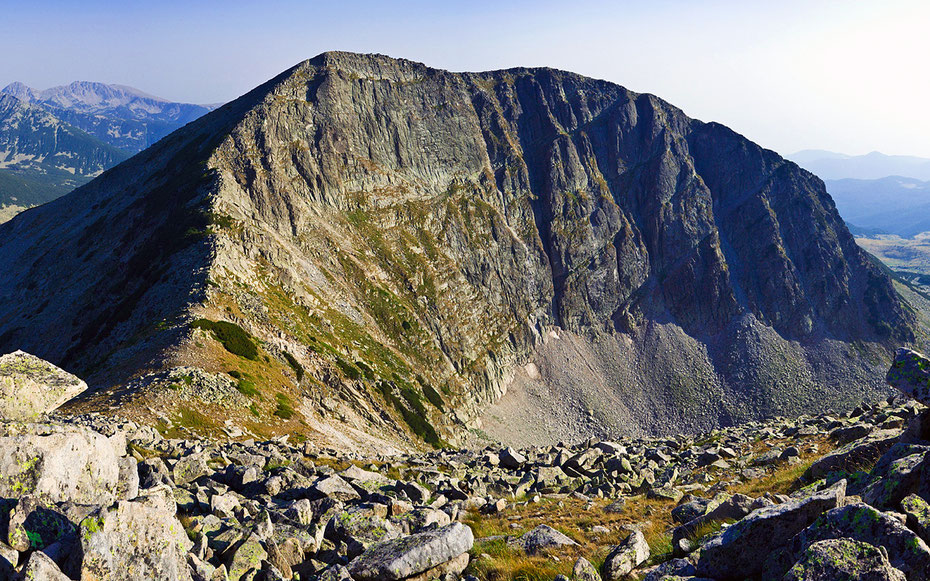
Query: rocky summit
(370, 252)
(815, 498)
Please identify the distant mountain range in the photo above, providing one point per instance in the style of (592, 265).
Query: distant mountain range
(54, 140)
(829, 165)
(890, 205)
(875, 193)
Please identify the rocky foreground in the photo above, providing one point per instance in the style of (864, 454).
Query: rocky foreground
(94, 498)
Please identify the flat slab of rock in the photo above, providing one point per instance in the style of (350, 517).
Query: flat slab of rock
(910, 373)
(409, 556)
(30, 387)
(76, 465)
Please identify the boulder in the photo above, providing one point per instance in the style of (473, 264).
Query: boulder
(584, 571)
(901, 471)
(511, 459)
(626, 556)
(408, 556)
(355, 474)
(30, 387)
(910, 374)
(245, 556)
(540, 538)
(189, 468)
(76, 465)
(918, 515)
(41, 567)
(843, 559)
(861, 522)
(132, 540)
(360, 528)
(854, 456)
(690, 510)
(336, 488)
(740, 550)
(33, 525)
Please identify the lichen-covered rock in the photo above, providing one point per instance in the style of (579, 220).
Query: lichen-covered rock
(584, 571)
(918, 515)
(40, 567)
(861, 522)
(541, 538)
(741, 550)
(626, 556)
(57, 464)
(190, 468)
(409, 556)
(361, 528)
(34, 525)
(134, 540)
(899, 472)
(837, 559)
(30, 387)
(910, 373)
(245, 557)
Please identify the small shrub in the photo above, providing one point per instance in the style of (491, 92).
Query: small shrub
(235, 374)
(295, 365)
(232, 336)
(367, 371)
(254, 409)
(348, 369)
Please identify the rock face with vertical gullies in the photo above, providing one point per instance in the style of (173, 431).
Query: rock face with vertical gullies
(410, 236)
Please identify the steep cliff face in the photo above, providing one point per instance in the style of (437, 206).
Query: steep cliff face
(412, 237)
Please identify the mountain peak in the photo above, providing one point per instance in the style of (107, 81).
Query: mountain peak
(398, 242)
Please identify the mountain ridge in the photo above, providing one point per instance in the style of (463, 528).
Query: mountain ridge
(408, 234)
(122, 116)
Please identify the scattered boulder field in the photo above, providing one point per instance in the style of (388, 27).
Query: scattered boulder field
(811, 498)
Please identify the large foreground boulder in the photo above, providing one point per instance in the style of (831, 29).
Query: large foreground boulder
(30, 387)
(843, 559)
(863, 523)
(57, 465)
(135, 540)
(416, 554)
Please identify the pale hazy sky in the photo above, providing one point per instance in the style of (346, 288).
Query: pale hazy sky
(849, 76)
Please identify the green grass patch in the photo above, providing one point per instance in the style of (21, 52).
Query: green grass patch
(285, 409)
(247, 388)
(433, 397)
(232, 336)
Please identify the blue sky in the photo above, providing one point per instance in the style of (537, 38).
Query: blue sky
(843, 75)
